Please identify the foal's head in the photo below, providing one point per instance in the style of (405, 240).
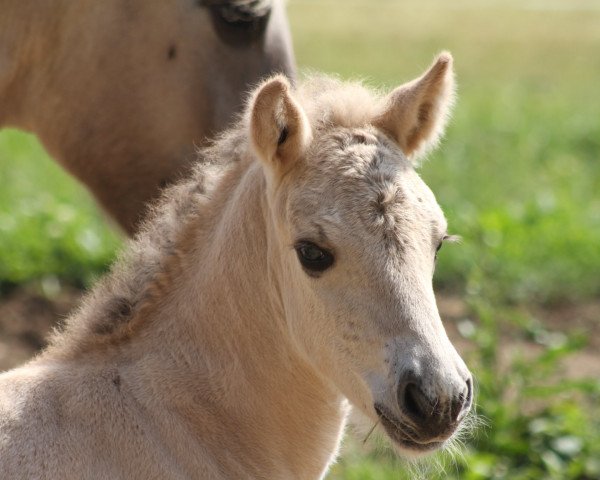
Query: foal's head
(354, 238)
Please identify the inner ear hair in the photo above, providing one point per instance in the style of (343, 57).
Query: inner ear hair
(279, 129)
(282, 136)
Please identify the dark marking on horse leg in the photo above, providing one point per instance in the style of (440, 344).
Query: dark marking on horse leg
(172, 52)
(117, 382)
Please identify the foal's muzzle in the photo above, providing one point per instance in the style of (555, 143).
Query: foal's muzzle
(425, 421)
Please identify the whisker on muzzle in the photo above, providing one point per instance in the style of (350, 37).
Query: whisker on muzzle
(371, 431)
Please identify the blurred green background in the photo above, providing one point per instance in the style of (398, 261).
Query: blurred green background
(518, 176)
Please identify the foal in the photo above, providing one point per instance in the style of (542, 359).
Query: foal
(289, 277)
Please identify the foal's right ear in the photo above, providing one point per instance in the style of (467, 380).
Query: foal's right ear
(415, 114)
(279, 129)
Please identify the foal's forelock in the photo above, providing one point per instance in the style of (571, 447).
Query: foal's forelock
(361, 173)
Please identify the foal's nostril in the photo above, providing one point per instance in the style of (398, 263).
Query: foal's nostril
(435, 413)
(462, 402)
(469, 392)
(415, 402)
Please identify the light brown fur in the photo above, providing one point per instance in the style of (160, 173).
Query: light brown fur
(121, 92)
(209, 352)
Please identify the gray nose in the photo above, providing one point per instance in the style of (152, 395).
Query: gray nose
(434, 415)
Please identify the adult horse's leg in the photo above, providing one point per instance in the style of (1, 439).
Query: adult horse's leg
(120, 93)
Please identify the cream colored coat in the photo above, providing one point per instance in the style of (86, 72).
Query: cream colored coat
(210, 351)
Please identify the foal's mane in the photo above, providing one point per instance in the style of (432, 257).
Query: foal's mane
(118, 304)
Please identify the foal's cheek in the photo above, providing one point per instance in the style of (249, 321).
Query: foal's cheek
(363, 349)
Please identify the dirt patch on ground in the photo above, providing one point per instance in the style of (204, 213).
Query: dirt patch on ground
(27, 318)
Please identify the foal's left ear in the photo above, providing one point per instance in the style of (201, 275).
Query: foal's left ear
(415, 113)
(279, 129)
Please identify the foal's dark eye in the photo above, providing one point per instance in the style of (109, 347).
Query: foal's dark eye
(313, 257)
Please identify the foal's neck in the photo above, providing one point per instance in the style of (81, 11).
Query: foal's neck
(221, 352)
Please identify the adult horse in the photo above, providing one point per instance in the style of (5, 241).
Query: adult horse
(120, 91)
(290, 275)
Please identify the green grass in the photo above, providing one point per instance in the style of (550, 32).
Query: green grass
(50, 228)
(518, 176)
